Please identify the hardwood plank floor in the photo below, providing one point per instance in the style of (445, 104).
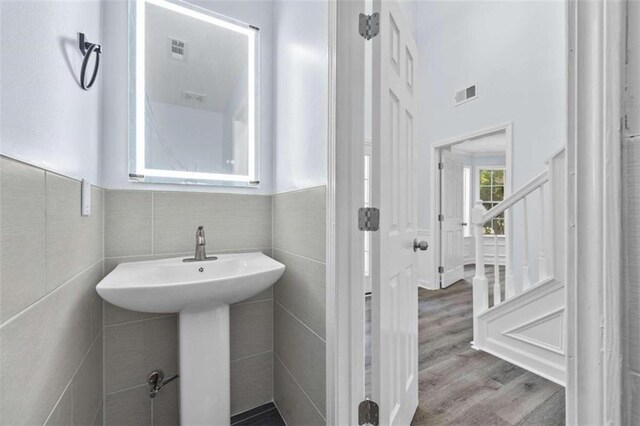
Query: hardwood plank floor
(461, 386)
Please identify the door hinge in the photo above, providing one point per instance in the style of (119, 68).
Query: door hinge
(440, 166)
(368, 413)
(440, 218)
(368, 219)
(369, 25)
(441, 269)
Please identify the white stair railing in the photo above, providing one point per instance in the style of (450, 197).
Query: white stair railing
(480, 216)
(497, 291)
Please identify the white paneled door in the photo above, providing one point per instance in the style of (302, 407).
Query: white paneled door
(394, 262)
(452, 238)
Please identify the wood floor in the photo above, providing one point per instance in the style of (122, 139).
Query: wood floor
(462, 386)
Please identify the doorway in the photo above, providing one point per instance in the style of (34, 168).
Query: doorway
(472, 168)
(583, 402)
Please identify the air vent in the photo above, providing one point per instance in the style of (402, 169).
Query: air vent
(177, 49)
(465, 95)
(193, 96)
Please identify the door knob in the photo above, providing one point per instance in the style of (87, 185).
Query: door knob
(422, 245)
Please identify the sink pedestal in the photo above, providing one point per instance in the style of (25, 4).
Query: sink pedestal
(205, 365)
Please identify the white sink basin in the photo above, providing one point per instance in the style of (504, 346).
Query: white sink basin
(201, 293)
(170, 285)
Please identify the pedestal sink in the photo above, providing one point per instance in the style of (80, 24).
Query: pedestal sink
(201, 293)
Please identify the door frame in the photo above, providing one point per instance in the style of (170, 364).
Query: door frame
(345, 245)
(435, 149)
(595, 75)
(595, 55)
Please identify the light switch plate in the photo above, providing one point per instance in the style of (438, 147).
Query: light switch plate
(86, 198)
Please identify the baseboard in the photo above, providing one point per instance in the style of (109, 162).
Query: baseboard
(253, 412)
(427, 285)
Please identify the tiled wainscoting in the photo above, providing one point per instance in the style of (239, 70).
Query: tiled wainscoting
(299, 242)
(152, 224)
(51, 258)
(68, 358)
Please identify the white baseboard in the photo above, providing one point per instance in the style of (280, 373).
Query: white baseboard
(427, 285)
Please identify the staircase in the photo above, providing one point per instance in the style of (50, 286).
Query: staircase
(528, 326)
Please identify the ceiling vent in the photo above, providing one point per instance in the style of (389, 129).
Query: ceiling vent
(177, 49)
(193, 96)
(465, 95)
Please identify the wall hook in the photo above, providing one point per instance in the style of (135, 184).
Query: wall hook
(87, 49)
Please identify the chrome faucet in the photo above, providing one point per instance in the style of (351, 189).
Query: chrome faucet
(201, 253)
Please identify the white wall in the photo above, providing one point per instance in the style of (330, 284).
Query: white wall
(631, 226)
(301, 94)
(184, 138)
(46, 119)
(515, 52)
(115, 147)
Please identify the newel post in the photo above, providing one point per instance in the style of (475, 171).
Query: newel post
(480, 282)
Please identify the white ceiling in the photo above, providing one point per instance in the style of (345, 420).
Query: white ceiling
(494, 144)
(216, 59)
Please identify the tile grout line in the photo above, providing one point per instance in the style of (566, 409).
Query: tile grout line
(280, 412)
(95, 415)
(252, 302)
(299, 386)
(118, 324)
(301, 322)
(126, 389)
(140, 320)
(301, 256)
(244, 358)
(42, 168)
(47, 295)
(73, 376)
(294, 191)
(58, 402)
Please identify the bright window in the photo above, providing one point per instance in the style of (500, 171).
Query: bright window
(367, 203)
(491, 191)
(467, 203)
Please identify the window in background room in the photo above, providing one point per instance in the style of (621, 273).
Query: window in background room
(467, 202)
(491, 192)
(367, 203)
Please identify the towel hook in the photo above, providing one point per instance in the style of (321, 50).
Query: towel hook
(87, 49)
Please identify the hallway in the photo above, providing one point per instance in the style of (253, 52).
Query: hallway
(459, 385)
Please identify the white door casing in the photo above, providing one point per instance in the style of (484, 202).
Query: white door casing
(394, 267)
(452, 238)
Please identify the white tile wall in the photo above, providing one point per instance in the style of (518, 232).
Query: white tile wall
(51, 322)
(50, 314)
(144, 225)
(299, 234)
(22, 229)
